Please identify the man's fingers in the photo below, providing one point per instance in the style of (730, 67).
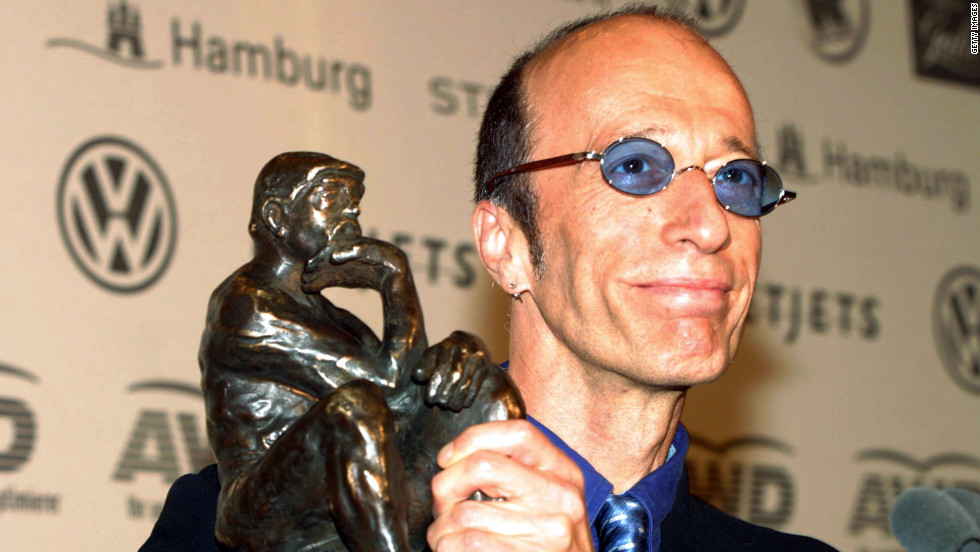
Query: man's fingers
(495, 526)
(543, 506)
(500, 476)
(451, 540)
(515, 438)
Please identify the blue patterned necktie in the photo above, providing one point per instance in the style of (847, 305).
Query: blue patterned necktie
(622, 525)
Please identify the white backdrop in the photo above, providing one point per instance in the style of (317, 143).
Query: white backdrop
(859, 372)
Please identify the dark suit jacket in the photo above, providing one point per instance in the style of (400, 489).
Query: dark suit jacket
(693, 525)
(187, 523)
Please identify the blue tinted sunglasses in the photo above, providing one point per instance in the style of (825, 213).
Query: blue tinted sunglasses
(642, 167)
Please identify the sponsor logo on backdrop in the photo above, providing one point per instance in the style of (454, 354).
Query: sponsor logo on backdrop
(747, 477)
(715, 17)
(792, 162)
(956, 326)
(886, 473)
(116, 214)
(895, 173)
(267, 60)
(836, 29)
(944, 35)
(436, 260)
(452, 97)
(18, 438)
(124, 39)
(163, 443)
(793, 311)
(597, 3)
(19, 418)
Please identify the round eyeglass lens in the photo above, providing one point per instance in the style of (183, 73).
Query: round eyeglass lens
(747, 187)
(637, 166)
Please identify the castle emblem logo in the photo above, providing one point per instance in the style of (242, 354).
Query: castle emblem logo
(124, 39)
(116, 214)
(956, 326)
(838, 29)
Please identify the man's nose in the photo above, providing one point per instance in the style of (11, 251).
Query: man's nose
(693, 214)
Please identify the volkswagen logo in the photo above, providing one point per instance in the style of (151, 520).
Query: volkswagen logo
(956, 325)
(116, 214)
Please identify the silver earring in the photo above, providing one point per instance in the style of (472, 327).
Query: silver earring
(512, 285)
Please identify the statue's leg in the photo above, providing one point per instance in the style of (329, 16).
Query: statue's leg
(368, 497)
(334, 474)
(433, 427)
(280, 501)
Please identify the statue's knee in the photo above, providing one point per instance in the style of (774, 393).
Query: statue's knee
(504, 400)
(358, 403)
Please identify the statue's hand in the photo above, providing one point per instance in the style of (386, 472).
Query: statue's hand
(360, 262)
(454, 369)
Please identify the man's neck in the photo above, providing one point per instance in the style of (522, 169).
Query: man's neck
(624, 429)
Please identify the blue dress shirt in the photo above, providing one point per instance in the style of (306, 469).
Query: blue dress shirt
(655, 492)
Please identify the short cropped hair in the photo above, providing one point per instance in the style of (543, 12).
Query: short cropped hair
(504, 140)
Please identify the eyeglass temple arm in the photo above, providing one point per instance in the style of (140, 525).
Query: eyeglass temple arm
(786, 197)
(559, 161)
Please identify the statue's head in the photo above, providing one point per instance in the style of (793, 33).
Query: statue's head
(303, 200)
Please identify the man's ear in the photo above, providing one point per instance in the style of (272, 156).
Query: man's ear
(502, 247)
(274, 216)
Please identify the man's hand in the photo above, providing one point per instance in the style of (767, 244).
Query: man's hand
(359, 262)
(543, 492)
(454, 369)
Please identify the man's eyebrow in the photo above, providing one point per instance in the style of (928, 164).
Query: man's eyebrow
(735, 145)
(732, 144)
(654, 131)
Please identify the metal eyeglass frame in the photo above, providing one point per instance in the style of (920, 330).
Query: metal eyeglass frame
(785, 196)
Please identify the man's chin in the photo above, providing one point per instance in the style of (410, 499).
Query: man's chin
(691, 370)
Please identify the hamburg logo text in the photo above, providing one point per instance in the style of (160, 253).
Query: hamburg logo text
(116, 214)
(191, 48)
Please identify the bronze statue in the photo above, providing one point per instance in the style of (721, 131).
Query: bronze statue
(326, 435)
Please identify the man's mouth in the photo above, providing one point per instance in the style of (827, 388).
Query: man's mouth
(687, 295)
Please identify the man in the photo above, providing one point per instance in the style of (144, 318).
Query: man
(316, 422)
(623, 299)
(616, 205)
